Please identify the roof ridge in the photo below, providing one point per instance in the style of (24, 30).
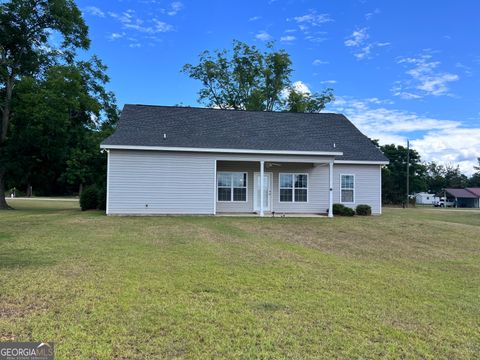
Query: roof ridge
(233, 110)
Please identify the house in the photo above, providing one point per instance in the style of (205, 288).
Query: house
(466, 198)
(183, 160)
(424, 198)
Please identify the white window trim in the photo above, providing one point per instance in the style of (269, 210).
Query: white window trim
(354, 188)
(293, 188)
(232, 187)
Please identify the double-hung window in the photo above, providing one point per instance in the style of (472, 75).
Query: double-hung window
(293, 187)
(232, 186)
(347, 188)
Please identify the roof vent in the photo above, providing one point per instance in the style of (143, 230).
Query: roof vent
(334, 145)
(164, 136)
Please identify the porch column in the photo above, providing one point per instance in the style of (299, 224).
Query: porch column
(330, 186)
(262, 163)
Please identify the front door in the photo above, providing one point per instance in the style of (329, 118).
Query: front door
(267, 191)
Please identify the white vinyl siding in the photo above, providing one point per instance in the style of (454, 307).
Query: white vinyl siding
(156, 182)
(153, 182)
(368, 185)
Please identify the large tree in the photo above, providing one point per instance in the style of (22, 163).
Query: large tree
(247, 78)
(59, 122)
(26, 27)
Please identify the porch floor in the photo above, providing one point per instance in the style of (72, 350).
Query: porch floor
(277, 215)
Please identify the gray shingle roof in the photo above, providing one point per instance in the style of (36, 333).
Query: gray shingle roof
(144, 125)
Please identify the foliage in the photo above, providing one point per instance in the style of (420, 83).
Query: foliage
(474, 181)
(249, 79)
(60, 120)
(301, 102)
(394, 175)
(342, 210)
(102, 197)
(25, 51)
(89, 198)
(440, 177)
(363, 210)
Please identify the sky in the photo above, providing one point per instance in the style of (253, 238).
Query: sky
(400, 69)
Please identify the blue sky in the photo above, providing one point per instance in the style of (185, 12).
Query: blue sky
(400, 69)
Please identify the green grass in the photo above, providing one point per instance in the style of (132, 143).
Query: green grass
(402, 285)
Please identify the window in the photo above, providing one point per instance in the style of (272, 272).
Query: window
(293, 187)
(231, 186)
(347, 188)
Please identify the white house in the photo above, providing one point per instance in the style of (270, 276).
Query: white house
(182, 160)
(424, 198)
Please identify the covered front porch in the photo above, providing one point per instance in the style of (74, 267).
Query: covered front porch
(274, 187)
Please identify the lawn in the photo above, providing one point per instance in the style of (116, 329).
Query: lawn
(402, 285)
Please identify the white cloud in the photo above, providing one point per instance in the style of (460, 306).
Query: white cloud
(313, 19)
(317, 62)
(175, 7)
(130, 20)
(443, 141)
(95, 11)
(298, 86)
(116, 36)
(424, 79)
(263, 36)
(287, 38)
(254, 18)
(328, 82)
(357, 38)
(369, 15)
(359, 41)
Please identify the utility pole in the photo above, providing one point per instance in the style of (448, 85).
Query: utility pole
(408, 173)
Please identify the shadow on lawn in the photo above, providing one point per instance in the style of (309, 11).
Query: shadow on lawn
(13, 258)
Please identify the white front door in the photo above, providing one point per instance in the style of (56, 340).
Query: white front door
(267, 191)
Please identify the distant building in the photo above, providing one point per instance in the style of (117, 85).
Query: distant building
(424, 198)
(466, 198)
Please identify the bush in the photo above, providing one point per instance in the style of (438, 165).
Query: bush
(364, 210)
(342, 210)
(102, 198)
(89, 198)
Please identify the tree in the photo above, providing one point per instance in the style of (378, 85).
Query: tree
(394, 175)
(440, 177)
(474, 180)
(60, 120)
(25, 29)
(249, 79)
(298, 101)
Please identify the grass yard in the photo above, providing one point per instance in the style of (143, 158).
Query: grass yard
(402, 285)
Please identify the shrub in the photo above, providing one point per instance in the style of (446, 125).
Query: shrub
(102, 197)
(364, 210)
(342, 210)
(89, 198)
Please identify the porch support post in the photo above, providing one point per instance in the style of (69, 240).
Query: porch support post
(330, 186)
(262, 163)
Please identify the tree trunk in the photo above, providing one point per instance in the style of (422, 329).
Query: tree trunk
(3, 201)
(80, 189)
